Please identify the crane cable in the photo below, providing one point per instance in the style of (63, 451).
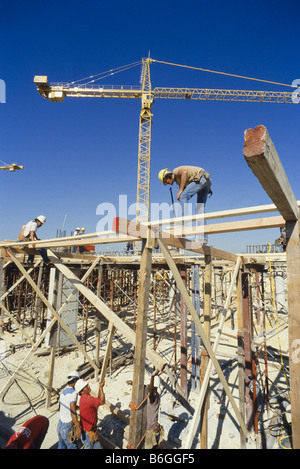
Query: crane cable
(107, 73)
(224, 73)
(276, 314)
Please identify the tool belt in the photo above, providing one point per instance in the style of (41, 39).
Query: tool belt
(93, 435)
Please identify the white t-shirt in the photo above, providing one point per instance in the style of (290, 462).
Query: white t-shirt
(67, 397)
(31, 226)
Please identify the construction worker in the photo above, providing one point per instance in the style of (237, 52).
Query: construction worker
(82, 248)
(68, 427)
(191, 180)
(28, 233)
(76, 233)
(154, 429)
(88, 407)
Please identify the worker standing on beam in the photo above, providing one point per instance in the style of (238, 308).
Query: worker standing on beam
(76, 233)
(28, 233)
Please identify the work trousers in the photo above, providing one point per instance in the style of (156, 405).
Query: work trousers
(63, 431)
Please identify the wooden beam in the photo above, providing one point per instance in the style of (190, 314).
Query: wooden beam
(262, 158)
(231, 227)
(204, 358)
(111, 329)
(233, 212)
(136, 229)
(293, 284)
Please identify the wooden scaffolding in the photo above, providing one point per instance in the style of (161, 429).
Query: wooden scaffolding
(262, 158)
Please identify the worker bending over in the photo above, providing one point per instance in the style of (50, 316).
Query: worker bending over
(191, 180)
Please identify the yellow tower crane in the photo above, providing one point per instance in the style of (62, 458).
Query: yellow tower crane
(59, 91)
(11, 167)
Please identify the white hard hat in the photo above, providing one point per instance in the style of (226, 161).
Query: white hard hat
(80, 384)
(72, 375)
(41, 218)
(77, 229)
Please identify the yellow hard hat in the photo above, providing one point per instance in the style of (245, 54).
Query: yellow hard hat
(83, 229)
(162, 174)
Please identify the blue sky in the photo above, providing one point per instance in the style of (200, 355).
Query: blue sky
(81, 153)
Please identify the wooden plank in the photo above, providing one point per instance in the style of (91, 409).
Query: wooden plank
(262, 158)
(112, 330)
(61, 242)
(231, 227)
(236, 212)
(136, 229)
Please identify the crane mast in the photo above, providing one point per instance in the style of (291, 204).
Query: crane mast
(144, 152)
(59, 91)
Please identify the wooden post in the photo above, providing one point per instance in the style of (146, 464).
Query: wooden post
(53, 342)
(293, 284)
(140, 347)
(37, 302)
(98, 319)
(262, 158)
(2, 255)
(204, 359)
(107, 355)
(241, 354)
(247, 335)
(183, 337)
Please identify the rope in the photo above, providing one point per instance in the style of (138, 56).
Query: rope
(275, 309)
(224, 73)
(107, 73)
(132, 406)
